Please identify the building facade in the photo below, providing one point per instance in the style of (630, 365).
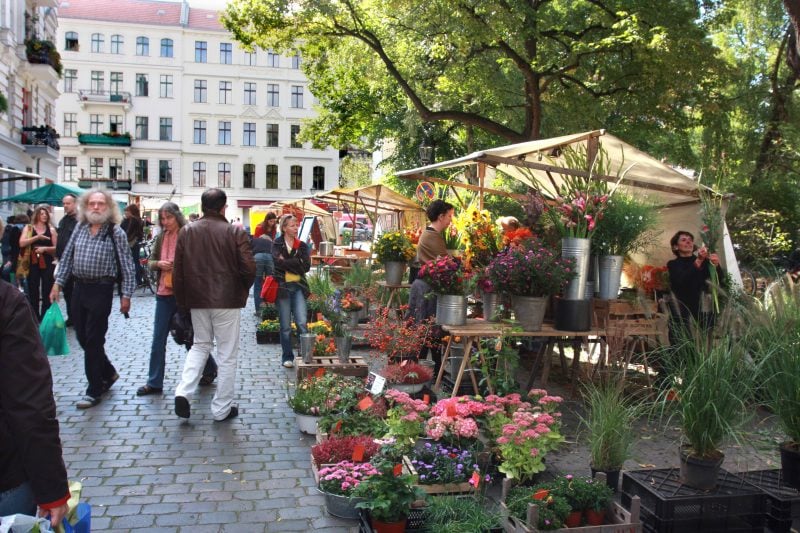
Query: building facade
(160, 101)
(29, 77)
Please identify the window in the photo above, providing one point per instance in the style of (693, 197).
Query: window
(273, 95)
(318, 178)
(297, 96)
(248, 175)
(116, 82)
(166, 48)
(225, 92)
(249, 136)
(296, 177)
(200, 52)
(70, 124)
(142, 127)
(225, 53)
(224, 174)
(116, 44)
(115, 123)
(293, 133)
(250, 59)
(71, 41)
(142, 85)
(140, 171)
(164, 171)
(224, 133)
(199, 174)
(142, 46)
(249, 93)
(97, 82)
(296, 61)
(199, 132)
(200, 91)
(272, 176)
(272, 135)
(70, 80)
(165, 88)
(95, 124)
(97, 42)
(273, 59)
(165, 129)
(115, 168)
(95, 167)
(70, 168)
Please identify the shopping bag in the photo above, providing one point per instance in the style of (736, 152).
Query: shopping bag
(20, 523)
(54, 332)
(269, 289)
(79, 520)
(180, 326)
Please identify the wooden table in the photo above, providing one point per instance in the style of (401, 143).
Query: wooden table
(393, 290)
(475, 329)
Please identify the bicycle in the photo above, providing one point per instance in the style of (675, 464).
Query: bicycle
(149, 278)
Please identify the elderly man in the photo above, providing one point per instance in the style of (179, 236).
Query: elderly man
(65, 228)
(96, 257)
(212, 272)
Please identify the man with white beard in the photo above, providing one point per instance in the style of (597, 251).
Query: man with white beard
(96, 257)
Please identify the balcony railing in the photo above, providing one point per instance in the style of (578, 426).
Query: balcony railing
(106, 139)
(105, 183)
(112, 97)
(42, 52)
(40, 136)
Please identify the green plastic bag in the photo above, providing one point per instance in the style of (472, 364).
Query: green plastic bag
(54, 332)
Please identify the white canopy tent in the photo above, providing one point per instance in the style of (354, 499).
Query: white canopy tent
(543, 161)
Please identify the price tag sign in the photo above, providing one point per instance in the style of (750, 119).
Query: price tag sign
(375, 383)
(358, 453)
(475, 479)
(426, 398)
(319, 373)
(338, 427)
(365, 403)
(404, 362)
(451, 410)
(398, 469)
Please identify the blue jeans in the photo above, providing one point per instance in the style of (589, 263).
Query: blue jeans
(18, 500)
(165, 308)
(264, 267)
(291, 302)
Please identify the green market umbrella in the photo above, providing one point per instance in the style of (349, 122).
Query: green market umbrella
(52, 193)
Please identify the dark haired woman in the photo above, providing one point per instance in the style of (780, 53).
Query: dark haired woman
(41, 236)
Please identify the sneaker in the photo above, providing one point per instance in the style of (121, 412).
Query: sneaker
(233, 413)
(110, 383)
(288, 364)
(87, 402)
(147, 389)
(182, 408)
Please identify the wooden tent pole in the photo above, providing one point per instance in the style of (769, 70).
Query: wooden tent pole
(481, 183)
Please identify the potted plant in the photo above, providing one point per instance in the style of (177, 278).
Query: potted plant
(391, 339)
(480, 236)
(268, 311)
(407, 376)
(609, 423)
(449, 468)
(338, 482)
(388, 498)
(530, 274)
(553, 509)
(268, 332)
(316, 395)
(340, 448)
(451, 283)
(405, 418)
(394, 249)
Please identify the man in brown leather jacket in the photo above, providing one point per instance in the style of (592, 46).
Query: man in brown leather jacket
(213, 270)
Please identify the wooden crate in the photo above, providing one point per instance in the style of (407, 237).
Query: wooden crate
(355, 367)
(623, 521)
(436, 489)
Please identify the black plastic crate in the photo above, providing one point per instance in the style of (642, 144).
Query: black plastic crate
(715, 524)
(782, 501)
(665, 498)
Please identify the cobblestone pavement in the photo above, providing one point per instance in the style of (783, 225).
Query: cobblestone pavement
(144, 468)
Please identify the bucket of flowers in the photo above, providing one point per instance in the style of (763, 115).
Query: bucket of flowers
(407, 376)
(268, 332)
(394, 250)
(481, 236)
(450, 281)
(338, 482)
(351, 305)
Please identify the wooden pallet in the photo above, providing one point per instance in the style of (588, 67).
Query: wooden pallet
(355, 367)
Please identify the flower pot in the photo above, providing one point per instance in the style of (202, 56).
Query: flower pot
(529, 311)
(267, 337)
(578, 249)
(408, 388)
(307, 423)
(307, 347)
(342, 506)
(573, 315)
(352, 319)
(393, 272)
(454, 359)
(573, 519)
(343, 346)
(451, 309)
(389, 527)
(595, 518)
(790, 464)
(610, 275)
(698, 472)
(612, 477)
(491, 305)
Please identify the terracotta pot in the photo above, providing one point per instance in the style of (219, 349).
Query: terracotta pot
(389, 527)
(573, 519)
(595, 518)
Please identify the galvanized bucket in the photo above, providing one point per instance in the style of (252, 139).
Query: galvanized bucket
(343, 346)
(307, 347)
(342, 506)
(491, 305)
(610, 275)
(451, 309)
(578, 249)
(529, 311)
(393, 272)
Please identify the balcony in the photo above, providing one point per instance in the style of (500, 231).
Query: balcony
(40, 142)
(120, 98)
(41, 52)
(105, 183)
(105, 139)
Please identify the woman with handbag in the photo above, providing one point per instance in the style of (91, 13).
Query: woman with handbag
(40, 239)
(292, 260)
(171, 221)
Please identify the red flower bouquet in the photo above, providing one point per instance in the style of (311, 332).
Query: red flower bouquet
(445, 275)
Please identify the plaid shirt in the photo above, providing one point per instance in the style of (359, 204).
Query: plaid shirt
(90, 256)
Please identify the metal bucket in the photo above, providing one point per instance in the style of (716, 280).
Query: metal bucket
(342, 506)
(393, 272)
(326, 248)
(451, 309)
(491, 305)
(578, 249)
(529, 311)
(343, 347)
(307, 347)
(610, 275)
(454, 359)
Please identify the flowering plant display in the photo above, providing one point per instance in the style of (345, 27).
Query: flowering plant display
(406, 417)
(517, 238)
(350, 303)
(453, 239)
(439, 464)
(269, 325)
(320, 327)
(553, 509)
(388, 497)
(338, 449)
(388, 335)
(627, 226)
(317, 395)
(480, 236)
(324, 346)
(413, 234)
(394, 246)
(653, 278)
(454, 420)
(445, 275)
(410, 373)
(535, 270)
(342, 478)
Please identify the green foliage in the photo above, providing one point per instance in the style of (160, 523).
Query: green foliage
(388, 497)
(449, 514)
(628, 226)
(499, 366)
(354, 170)
(320, 395)
(553, 509)
(354, 422)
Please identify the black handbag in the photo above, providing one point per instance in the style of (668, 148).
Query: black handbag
(180, 327)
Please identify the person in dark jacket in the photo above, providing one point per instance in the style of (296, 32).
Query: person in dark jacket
(32, 471)
(262, 251)
(292, 260)
(65, 228)
(10, 248)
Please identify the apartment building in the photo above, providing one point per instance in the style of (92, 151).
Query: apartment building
(160, 101)
(29, 76)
